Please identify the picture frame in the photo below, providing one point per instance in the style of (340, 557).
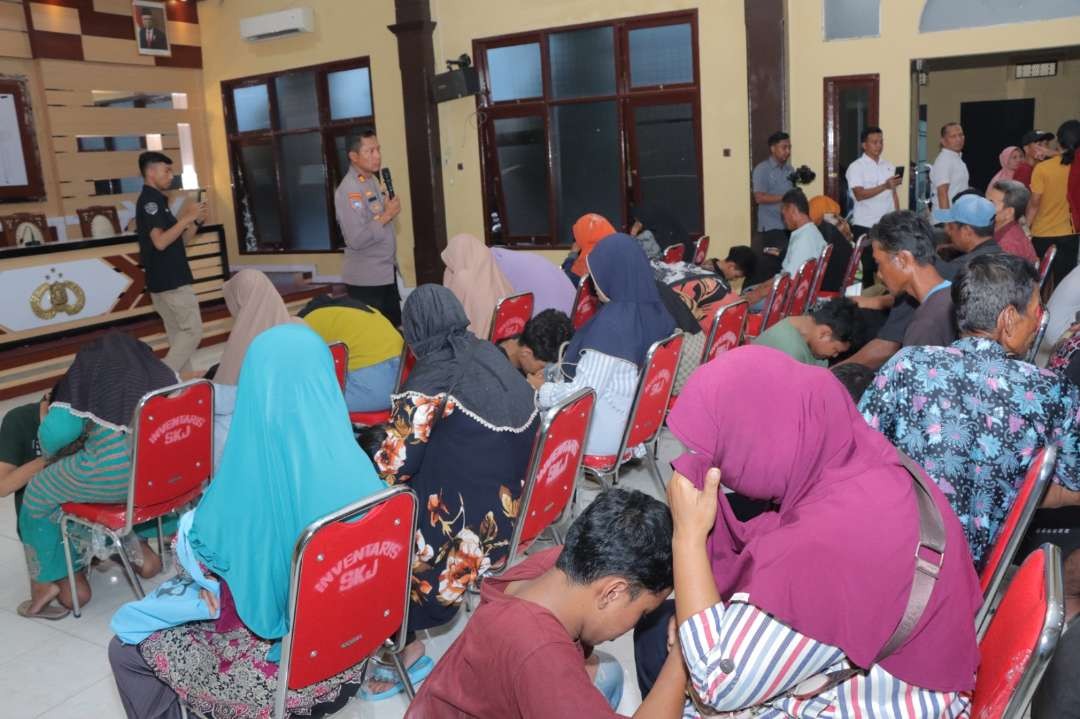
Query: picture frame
(151, 27)
(21, 179)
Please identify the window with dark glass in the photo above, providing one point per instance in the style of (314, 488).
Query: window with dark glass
(288, 150)
(591, 118)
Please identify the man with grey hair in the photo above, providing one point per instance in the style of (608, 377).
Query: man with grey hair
(973, 414)
(1010, 200)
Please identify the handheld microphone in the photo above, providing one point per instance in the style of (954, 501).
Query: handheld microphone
(388, 182)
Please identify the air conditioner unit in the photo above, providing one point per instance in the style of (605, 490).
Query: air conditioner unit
(277, 24)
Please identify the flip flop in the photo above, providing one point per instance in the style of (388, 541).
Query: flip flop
(50, 611)
(418, 672)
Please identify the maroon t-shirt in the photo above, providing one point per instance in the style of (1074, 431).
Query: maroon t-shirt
(1022, 174)
(514, 659)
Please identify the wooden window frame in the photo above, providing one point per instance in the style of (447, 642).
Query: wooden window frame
(328, 131)
(625, 96)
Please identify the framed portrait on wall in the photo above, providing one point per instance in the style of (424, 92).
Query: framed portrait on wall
(151, 27)
(20, 165)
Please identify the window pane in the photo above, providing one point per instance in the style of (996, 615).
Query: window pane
(585, 157)
(522, 152)
(667, 161)
(851, 18)
(661, 55)
(257, 190)
(514, 72)
(252, 108)
(297, 105)
(350, 93)
(583, 62)
(304, 177)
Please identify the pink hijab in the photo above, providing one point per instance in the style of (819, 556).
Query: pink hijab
(836, 560)
(1004, 173)
(475, 279)
(255, 306)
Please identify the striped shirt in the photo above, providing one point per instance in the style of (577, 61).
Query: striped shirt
(99, 472)
(740, 657)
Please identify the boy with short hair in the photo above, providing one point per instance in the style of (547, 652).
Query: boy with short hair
(539, 343)
(523, 653)
(816, 338)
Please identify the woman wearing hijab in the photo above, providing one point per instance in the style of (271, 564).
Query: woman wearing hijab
(460, 437)
(825, 213)
(290, 459)
(1010, 158)
(474, 278)
(551, 288)
(588, 231)
(664, 226)
(84, 438)
(255, 306)
(761, 632)
(608, 352)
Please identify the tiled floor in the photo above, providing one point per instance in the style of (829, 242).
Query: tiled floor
(60, 670)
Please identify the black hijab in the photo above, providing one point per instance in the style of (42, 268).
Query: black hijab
(451, 360)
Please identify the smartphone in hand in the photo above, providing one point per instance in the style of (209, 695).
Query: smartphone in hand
(900, 172)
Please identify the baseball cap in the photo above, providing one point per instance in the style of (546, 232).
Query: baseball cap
(1035, 136)
(968, 210)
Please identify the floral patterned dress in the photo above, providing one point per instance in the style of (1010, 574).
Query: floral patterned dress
(974, 419)
(702, 290)
(1065, 359)
(468, 475)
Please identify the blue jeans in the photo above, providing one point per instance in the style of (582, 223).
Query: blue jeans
(368, 389)
(609, 679)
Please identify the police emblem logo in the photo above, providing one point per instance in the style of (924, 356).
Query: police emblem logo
(150, 208)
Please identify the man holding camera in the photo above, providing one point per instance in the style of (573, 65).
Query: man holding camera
(873, 182)
(771, 179)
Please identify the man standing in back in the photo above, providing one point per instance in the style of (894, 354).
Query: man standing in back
(770, 181)
(365, 214)
(873, 182)
(1036, 147)
(949, 175)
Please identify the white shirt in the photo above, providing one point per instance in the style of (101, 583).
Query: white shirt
(867, 174)
(806, 243)
(949, 169)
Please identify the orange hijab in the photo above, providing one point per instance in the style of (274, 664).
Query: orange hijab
(588, 230)
(823, 205)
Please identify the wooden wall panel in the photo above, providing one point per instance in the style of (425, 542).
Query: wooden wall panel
(54, 18)
(14, 43)
(97, 165)
(115, 50)
(60, 74)
(12, 16)
(183, 33)
(118, 120)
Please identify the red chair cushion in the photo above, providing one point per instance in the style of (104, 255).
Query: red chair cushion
(369, 419)
(113, 515)
(825, 295)
(604, 462)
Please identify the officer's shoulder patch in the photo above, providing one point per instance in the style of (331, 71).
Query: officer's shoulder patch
(150, 208)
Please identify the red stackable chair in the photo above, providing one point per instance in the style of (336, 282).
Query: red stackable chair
(647, 413)
(586, 303)
(799, 299)
(510, 315)
(1021, 638)
(340, 352)
(172, 459)
(349, 591)
(1012, 532)
(701, 249)
(773, 312)
(674, 253)
(852, 268)
(1044, 264)
(1040, 335)
(819, 277)
(727, 329)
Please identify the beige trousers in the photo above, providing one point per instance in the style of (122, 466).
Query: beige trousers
(179, 310)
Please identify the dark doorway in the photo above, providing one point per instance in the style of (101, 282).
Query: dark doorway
(990, 126)
(851, 104)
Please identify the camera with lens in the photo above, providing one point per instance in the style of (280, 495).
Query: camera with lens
(802, 176)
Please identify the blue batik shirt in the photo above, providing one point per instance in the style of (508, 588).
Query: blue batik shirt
(974, 419)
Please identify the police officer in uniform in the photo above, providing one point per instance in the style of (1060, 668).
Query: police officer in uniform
(365, 215)
(161, 247)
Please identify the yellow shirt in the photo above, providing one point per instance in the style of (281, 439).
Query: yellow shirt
(370, 337)
(1051, 180)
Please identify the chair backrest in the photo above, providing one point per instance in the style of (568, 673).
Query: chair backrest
(339, 351)
(510, 315)
(1045, 262)
(701, 249)
(1040, 336)
(674, 253)
(800, 292)
(553, 469)
(819, 276)
(348, 589)
(861, 245)
(655, 383)
(408, 361)
(1015, 526)
(173, 448)
(1021, 638)
(777, 302)
(586, 303)
(726, 332)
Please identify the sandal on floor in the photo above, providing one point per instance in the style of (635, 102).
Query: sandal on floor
(50, 611)
(418, 672)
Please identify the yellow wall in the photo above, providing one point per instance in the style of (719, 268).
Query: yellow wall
(722, 48)
(342, 30)
(811, 59)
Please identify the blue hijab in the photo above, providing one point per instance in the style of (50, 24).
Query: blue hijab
(290, 459)
(633, 317)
